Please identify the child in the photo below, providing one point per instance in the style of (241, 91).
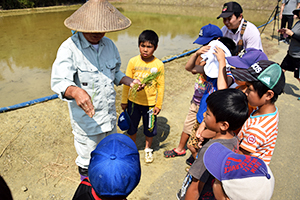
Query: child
(146, 103)
(226, 111)
(216, 79)
(207, 33)
(238, 176)
(265, 81)
(114, 170)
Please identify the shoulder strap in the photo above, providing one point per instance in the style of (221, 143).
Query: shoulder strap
(240, 43)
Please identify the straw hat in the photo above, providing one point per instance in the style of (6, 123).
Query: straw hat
(97, 16)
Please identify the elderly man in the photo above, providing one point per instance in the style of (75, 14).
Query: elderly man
(243, 33)
(86, 68)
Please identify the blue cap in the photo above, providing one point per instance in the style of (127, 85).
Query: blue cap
(124, 121)
(244, 61)
(207, 33)
(115, 169)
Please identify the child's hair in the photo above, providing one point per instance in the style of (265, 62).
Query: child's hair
(149, 36)
(229, 105)
(229, 43)
(261, 89)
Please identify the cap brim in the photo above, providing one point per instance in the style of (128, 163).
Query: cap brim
(242, 75)
(237, 62)
(225, 15)
(203, 40)
(214, 157)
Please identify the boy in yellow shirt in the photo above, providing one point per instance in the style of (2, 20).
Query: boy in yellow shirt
(148, 102)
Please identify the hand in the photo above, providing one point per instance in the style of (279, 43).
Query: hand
(156, 111)
(124, 106)
(84, 101)
(202, 50)
(286, 31)
(219, 53)
(136, 81)
(199, 135)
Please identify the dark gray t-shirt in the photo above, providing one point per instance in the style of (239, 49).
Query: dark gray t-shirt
(198, 170)
(294, 48)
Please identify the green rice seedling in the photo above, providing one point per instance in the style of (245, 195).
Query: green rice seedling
(148, 81)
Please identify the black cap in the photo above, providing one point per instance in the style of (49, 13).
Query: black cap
(230, 8)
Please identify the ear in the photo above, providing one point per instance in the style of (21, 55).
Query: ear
(269, 94)
(155, 47)
(224, 126)
(240, 17)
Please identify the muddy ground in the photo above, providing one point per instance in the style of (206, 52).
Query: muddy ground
(37, 153)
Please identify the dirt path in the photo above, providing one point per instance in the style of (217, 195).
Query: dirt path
(37, 153)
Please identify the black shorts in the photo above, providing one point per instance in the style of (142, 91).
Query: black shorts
(135, 112)
(291, 64)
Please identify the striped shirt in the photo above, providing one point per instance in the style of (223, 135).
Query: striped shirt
(258, 135)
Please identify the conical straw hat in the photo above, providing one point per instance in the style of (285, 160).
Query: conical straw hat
(97, 16)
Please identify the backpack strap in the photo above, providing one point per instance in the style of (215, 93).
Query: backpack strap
(240, 43)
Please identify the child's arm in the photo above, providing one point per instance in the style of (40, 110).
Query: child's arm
(218, 190)
(194, 190)
(191, 66)
(243, 151)
(160, 89)
(222, 81)
(203, 133)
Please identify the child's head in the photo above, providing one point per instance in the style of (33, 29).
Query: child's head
(148, 41)
(208, 33)
(229, 43)
(241, 176)
(229, 106)
(265, 78)
(114, 169)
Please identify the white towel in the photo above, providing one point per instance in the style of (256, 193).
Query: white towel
(211, 67)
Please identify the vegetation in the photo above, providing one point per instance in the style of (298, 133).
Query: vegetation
(17, 4)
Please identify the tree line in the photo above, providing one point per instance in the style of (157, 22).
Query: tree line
(18, 4)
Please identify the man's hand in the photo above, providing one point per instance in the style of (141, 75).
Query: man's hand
(136, 81)
(82, 99)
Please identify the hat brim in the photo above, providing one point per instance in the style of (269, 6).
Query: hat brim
(203, 40)
(296, 11)
(242, 75)
(214, 157)
(237, 62)
(225, 15)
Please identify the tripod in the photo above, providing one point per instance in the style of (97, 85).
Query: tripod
(276, 20)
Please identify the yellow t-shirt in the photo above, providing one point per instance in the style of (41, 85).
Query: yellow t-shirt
(150, 95)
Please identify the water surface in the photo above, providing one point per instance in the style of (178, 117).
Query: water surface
(28, 43)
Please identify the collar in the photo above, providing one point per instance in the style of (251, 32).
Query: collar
(240, 27)
(86, 44)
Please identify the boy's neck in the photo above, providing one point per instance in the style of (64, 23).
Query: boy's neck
(225, 135)
(147, 59)
(265, 109)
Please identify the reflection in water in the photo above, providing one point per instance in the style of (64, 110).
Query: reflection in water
(28, 44)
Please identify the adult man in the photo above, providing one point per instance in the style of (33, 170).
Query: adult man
(84, 73)
(287, 17)
(243, 33)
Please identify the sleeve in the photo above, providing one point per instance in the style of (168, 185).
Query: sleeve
(63, 70)
(296, 36)
(160, 87)
(126, 88)
(198, 168)
(252, 138)
(119, 74)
